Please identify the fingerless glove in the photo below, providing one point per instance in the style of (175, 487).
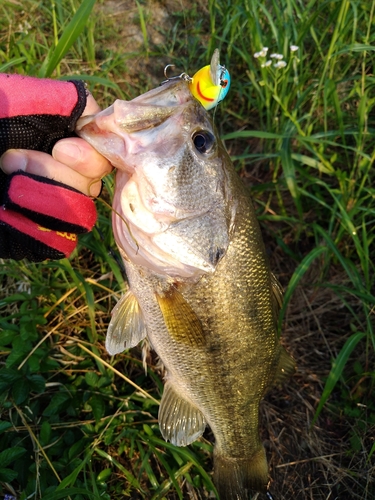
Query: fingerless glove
(39, 218)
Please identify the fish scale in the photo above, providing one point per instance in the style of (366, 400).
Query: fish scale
(209, 306)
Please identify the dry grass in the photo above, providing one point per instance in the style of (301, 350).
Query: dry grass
(315, 460)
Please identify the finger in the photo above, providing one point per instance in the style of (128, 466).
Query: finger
(91, 106)
(43, 164)
(80, 156)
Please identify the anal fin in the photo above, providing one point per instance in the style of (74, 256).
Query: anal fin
(127, 327)
(180, 422)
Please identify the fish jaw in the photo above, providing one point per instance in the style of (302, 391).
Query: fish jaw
(111, 132)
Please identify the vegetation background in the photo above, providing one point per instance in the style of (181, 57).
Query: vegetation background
(75, 423)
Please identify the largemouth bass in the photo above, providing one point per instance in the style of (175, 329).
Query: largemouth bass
(201, 288)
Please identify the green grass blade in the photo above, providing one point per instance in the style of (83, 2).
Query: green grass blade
(71, 479)
(337, 369)
(290, 174)
(132, 480)
(143, 25)
(187, 455)
(146, 466)
(345, 263)
(69, 36)
(166, 485)
(371, 453)
(94, 80)
(13, 62)
(296, 278)
(246, 134)
(57, 495)
(311, 162)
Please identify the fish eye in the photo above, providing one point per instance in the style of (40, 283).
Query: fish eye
(203, 141)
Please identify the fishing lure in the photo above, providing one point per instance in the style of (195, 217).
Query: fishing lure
(211, 83)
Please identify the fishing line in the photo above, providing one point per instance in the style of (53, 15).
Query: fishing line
(94, 181)
(216, 106)
(123, 220)
(112, 253)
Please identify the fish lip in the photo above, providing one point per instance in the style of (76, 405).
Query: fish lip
(82, 121)
(152, 109)
(170, 93)
(89, 129)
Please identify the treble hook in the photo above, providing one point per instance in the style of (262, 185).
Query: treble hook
(183, 76)
(166, 68)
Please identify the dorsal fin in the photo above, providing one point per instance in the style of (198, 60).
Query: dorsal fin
(183, 324)
(127, 326)
(277, 297)
(286, 367)
(180, 422)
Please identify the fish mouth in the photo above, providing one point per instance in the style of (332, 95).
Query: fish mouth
(116, 132)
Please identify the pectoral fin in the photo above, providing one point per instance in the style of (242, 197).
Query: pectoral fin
(180, 422)
(183, 324)
(127, 327)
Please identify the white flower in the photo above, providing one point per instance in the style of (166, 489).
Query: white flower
(262, 53)
(280, 64)
(24, 27)
(294, 48)
(266, 64)
(277, 56)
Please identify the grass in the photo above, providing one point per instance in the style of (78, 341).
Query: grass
(71, 423)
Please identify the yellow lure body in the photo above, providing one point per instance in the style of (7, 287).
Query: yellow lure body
(211, 83)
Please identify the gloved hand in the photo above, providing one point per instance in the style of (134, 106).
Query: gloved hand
(40, 217)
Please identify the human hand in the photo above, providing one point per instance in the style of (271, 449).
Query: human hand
(42, 208)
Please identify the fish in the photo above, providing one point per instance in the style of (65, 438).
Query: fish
(200, 286)
(211, 84)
